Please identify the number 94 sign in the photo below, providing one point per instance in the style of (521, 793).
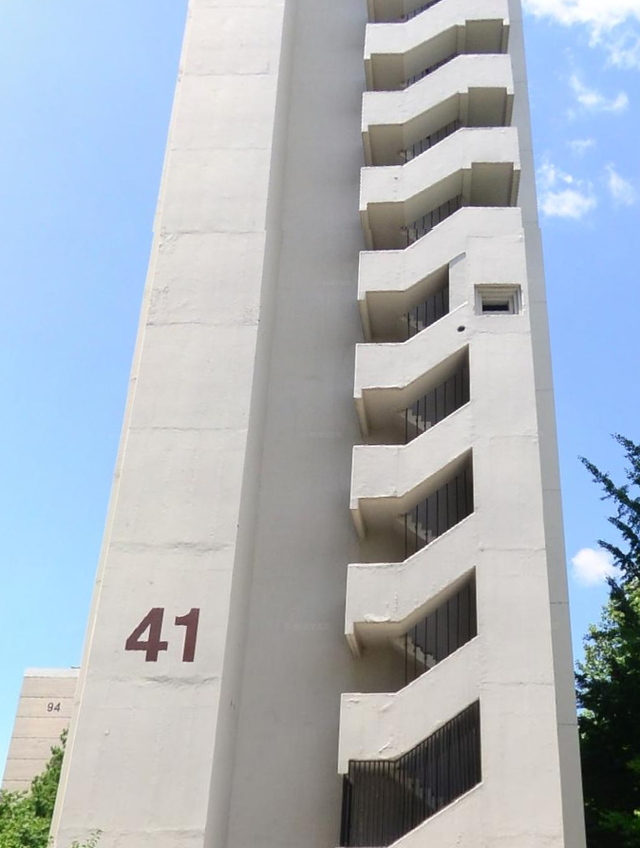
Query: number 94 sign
(147, 637)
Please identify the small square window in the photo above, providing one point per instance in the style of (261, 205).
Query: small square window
(498, 300)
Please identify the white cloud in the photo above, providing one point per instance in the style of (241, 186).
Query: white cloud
(592, 567)
(562, 195)
(568, 203)
(591, 100)
(621, 190)
(598, 14)
(581, 145)
(612, 24)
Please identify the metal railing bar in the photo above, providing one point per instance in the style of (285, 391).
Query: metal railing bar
(438, 404)
(430, 141)
(426, 223)
(427, 71)
(385, 799)
(441, 633)
(409, 15)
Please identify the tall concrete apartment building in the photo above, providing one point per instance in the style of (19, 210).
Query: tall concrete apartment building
(331, 607)
(44, 711)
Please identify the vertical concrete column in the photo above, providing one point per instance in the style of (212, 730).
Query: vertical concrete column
(571, 782)
(152, 735)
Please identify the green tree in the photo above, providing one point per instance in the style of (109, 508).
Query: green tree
(608, 680)
(44, 787)
(20, 827)
(25, 817)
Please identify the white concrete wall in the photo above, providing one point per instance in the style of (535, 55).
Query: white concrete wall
(152, 744)
(573, 816)
(231, 490)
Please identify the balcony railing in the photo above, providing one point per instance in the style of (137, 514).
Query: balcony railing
(449, 627)
(439, 512)
(427, 313)
(430, 141)
(409, 15)
(422, 74)
(438, 404)
(427, 222)
(385, 799)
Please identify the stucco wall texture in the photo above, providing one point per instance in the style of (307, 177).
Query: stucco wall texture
(209, 712)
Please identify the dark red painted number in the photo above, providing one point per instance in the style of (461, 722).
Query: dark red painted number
(190, 621)
(153, 644)
(151, 628)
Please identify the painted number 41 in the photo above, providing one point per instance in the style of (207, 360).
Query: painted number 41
(147, 637)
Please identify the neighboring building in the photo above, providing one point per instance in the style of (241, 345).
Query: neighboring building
(214, 707)
(44, 712)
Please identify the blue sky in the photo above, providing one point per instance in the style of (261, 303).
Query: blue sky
(85, 94)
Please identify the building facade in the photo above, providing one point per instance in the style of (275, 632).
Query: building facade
(44, 712)
(242, 685)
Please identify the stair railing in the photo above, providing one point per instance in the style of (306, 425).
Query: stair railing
(385, 799)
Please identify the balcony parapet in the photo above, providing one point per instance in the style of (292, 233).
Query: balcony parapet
(384, 600)
(395, 52)
(389, 378)
(477, 90)
(488, 244)
(385, 725)
(481, 166)
(388, 480)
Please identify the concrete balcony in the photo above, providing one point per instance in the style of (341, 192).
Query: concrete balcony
(385, 725)
(384, 600)
(396, 54)
(477, 167)
(397, 11)
(390, 378)
(391, 283)
(475, 90)
(388, 482)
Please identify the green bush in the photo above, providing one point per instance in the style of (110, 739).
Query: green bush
(25, 817)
